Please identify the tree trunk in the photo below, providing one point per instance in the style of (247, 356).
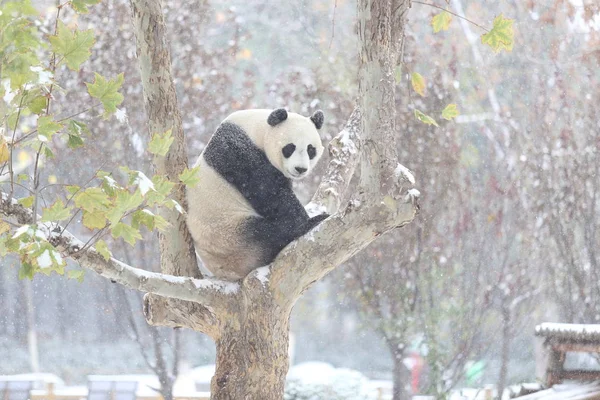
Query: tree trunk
(252, 354)
(400, 377)
(32, 344)
(504, 356)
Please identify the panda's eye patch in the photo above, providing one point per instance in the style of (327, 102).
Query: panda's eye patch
(288, 150)
(312, 152)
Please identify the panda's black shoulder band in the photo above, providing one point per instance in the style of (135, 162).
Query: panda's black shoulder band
(277, 116)
(234, 156)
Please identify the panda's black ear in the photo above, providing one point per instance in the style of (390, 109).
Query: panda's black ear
(317, 118)
(277, 116)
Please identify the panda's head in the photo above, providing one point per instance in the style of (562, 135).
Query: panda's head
(292, 142)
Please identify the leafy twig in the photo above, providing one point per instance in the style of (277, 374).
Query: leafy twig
(450, 12)
(58, 120)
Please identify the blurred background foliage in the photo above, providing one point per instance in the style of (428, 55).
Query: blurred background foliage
(506, 237)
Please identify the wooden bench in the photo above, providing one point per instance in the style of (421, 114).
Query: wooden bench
(112, 390)
(15, 390)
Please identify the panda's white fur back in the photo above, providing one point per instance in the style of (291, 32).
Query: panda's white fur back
(219, 214)
(222, 252)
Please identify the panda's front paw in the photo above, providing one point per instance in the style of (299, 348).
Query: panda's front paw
(314, 221)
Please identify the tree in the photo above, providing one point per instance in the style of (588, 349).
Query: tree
(247, 319)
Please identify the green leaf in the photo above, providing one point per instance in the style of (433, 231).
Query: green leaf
(451, 111)
(426, 119)
(441, 21)
(48, 152)
(107, 91)
(26, 271)
(418, 83)
(38, 105)
(189, 177)
(77, 128)
(56, 212)
(502, 35)
(92, 199)
(81, 6)
(129, 234)
(143, 217)
(72, 189)
(26, 201)
(109, 185)
(22, 177)
(124, 202)
(47, 127)
(75, 142)
(76, 274)
(128, 201)
(398, 74)
(160, 143)
(94, 219)
(74, 46)
(160, 223)
(102, 249)
(162, 188)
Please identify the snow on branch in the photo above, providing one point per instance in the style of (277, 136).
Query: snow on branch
(344, 150)
(211, 293)
(349, 230)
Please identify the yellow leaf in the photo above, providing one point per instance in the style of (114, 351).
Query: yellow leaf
(220, 17)
(441, 21)
(424, 118)
(418, 83)
(4, 152)
(244, 54)
(451, 111)
(52, 179)
(23, 157)
(502, 36)
(4, 227)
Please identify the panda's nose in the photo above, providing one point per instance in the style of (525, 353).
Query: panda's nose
(301, 170)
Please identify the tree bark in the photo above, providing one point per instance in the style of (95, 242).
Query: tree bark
(400, 376)
(252, 350)
(504, 356)
(380, 31)
(32, 342)
(178, 256)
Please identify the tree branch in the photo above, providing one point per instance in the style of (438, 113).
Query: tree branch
(341, 236)
(344, 150)
(217, 296)
(333, 242)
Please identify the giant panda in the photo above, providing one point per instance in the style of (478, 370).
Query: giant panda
(243, 211)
